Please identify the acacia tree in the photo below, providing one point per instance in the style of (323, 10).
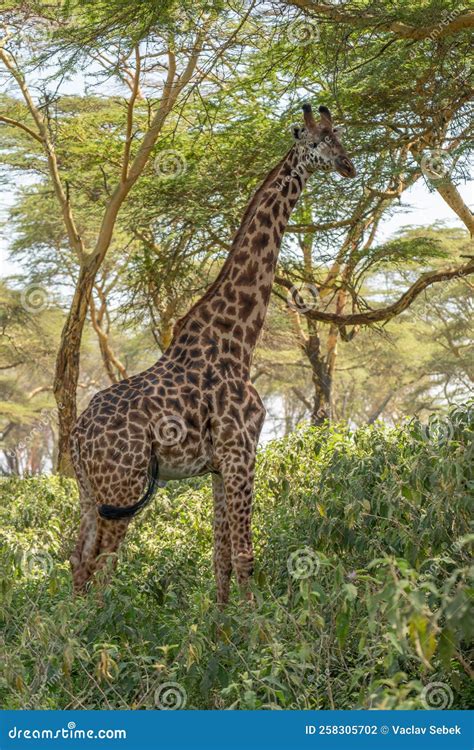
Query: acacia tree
(181, 49)
(400, 132)
(164, 275)
(387, 364)
(337, 281)
(338, 248)
(428, 46)
(420, 361)
(243, 96)
(416, 127)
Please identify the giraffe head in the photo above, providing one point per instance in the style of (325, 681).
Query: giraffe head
(319, 145)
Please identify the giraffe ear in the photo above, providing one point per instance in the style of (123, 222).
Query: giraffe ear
(297, 132)
(326, 117)
(309, 120)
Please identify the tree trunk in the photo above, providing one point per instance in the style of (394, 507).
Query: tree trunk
(166, 334)
(379, 409)
(12, 461)
(322, 381)
(99, 318)
(66, 374)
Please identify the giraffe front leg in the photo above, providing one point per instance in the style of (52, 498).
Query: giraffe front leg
(222, 545)
(238, 483)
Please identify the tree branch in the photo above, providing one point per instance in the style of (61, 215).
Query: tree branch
(303, 228)
(130, 108)
(16, 124)
(73, 234)
(449, 192)
(391, 311)
(398, 28)
(171, 90)
(300, 395)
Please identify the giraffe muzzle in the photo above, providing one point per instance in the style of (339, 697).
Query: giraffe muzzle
(345, 167)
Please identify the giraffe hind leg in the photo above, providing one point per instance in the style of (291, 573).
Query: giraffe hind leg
(103, 525)
(222, 543)
(97, 547)
(83, 550)
(87, 529)
(109, 537)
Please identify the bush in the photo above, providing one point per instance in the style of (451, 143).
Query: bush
(363, 586)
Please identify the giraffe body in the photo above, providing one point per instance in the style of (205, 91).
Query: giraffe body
(196, 411)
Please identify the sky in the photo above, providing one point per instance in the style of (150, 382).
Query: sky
(422, 207)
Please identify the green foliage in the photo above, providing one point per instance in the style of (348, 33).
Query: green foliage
(378, 519)
(123, 21)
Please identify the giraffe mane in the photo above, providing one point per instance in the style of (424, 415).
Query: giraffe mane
(236, 243)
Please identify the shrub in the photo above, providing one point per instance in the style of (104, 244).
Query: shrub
(363, 585)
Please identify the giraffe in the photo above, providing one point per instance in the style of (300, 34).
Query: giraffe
(195, 411)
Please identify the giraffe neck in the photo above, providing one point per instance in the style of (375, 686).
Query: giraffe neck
(229, 317)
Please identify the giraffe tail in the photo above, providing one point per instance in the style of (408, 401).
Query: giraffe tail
(117, 513)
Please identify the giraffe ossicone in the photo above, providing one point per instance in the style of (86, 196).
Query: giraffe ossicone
(195, 411)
